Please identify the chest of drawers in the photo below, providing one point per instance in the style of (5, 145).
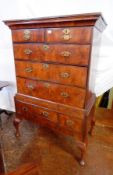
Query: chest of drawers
(54, 60)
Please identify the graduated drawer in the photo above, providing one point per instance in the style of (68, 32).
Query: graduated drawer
(53, 92)
(69, 75)
(40, 115)
(80, 35)
(28, 35)
(59, 53)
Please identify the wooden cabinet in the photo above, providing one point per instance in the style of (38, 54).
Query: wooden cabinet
(54, 60)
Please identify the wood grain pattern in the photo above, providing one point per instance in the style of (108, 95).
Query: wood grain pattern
(52, 92)
(80, 35)
(76, 54)
(40, 114)
(54, 73)
(34, 35)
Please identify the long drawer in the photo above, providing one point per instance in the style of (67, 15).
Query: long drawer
(69, 75)
(59, 53)
(40, 115)
(52, 92)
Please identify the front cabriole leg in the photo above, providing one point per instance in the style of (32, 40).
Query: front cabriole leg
(16, 123)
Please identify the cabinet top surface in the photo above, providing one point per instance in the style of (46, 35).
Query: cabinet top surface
(87, 19)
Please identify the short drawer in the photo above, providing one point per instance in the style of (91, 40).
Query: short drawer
(73, 124)
(56, 53)
(69, 75)
(33, 112)
(80, 35)
(51, 91)
(28, 35)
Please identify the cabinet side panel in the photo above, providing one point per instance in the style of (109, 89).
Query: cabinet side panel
(94, 59)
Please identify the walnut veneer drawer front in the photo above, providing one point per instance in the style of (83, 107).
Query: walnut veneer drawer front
(51, 91)
(61, 53)
(34, 113)
(71, 123)
(69, 75)
(28, 110)
(28, 35)
(80, 35)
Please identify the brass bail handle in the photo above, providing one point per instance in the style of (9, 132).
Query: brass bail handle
(28, 69)
(27, 34)
(66, 34)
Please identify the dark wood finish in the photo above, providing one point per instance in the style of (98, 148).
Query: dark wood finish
(64, 74)
(88, 19)
(26, 35)
(69, 35)
(56, 53)
(55, 77)
(45, 90)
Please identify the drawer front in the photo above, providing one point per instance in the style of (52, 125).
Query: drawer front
(61, 53)
(50, 91)
(28, 35)
(70, 75)
(80, 35)
(33, 112)
(41, 115)
(71, 123)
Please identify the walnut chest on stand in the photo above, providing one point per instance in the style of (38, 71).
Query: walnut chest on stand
(54, 59)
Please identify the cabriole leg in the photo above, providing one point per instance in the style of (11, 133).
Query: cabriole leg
(16, 123)
(92, 120)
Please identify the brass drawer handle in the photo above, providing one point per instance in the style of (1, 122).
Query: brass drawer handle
(45, 47)
(27, 34)
(66, 37)
(30, 86)
(69, 123)
(65, 54)
(64, 94)
(28, 69)
(27, 51)
(46, 114)
(45, 66)
(64, 75)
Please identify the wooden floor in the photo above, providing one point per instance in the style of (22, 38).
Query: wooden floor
(57, 155)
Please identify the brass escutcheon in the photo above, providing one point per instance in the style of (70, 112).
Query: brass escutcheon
(66, 35)
(25, 108)
(27, 34)
(66, 31)
(46, 114)
(45, 47)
